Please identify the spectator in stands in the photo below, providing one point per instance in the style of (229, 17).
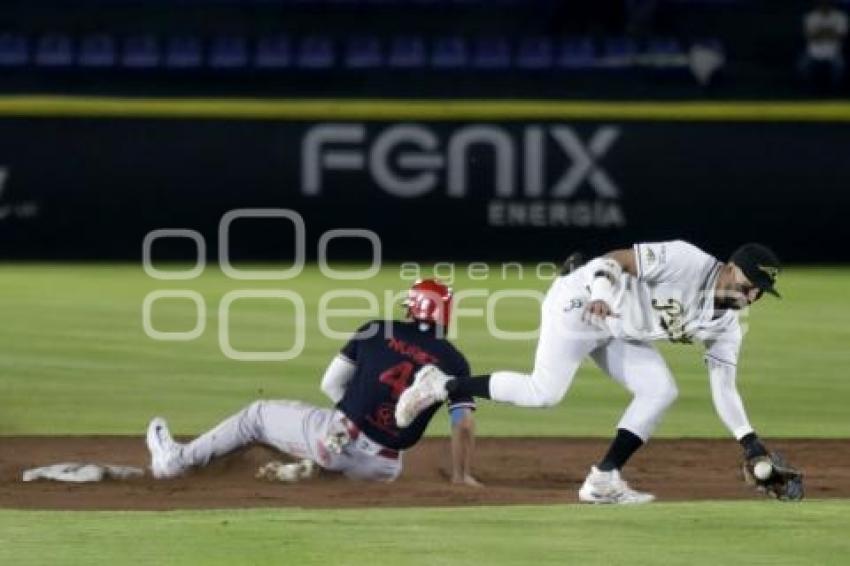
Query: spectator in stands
(824, 28)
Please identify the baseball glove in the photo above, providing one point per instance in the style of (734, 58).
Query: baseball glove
(785, 482)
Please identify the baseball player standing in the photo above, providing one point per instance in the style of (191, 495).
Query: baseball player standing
(358, 437)
(612, 309)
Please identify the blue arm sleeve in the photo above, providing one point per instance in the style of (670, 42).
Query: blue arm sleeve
(457, 414)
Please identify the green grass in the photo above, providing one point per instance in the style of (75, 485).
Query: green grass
(761, 532)
(77, 361)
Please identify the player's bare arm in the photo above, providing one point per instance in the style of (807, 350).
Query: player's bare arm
(463, 445)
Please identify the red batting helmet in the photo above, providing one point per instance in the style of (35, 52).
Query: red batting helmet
(429, 301)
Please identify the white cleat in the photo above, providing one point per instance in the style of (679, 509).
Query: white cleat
(429, 387)
(165, 453)
(609, 487)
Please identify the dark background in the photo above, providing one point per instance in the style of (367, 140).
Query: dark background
(101, 185)
(91, 188)
(761, 39)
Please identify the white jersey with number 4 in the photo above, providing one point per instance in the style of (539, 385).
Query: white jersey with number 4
(672, 298)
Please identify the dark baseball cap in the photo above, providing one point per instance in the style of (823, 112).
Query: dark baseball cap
(759, 264)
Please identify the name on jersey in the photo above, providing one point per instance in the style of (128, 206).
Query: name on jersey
(412, 351)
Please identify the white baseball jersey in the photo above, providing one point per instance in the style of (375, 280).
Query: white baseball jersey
(672, 298)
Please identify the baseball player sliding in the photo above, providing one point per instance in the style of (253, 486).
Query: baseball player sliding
(359, 437)
(612, 309)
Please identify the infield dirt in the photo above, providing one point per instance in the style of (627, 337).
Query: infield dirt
(514, 471)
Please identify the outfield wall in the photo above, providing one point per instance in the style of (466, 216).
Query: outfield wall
(89, 178)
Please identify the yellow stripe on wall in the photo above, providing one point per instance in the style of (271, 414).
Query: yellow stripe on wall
(363, 110)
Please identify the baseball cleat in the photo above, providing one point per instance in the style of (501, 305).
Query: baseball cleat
(609, 487)
(429, 387)
(165, 453)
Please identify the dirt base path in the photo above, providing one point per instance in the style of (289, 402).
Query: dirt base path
(515, 471)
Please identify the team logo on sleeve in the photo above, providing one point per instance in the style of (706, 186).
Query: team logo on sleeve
(651, 257)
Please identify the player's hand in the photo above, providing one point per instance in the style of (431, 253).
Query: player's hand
(597, 311)
(466, 480)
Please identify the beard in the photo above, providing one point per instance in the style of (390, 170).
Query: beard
(730, 301)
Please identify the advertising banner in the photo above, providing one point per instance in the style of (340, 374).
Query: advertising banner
(92, 188)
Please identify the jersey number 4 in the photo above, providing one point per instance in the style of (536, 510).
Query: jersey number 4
(398, 378)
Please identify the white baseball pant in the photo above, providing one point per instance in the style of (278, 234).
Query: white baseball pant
(297, 429)
(565, 340)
